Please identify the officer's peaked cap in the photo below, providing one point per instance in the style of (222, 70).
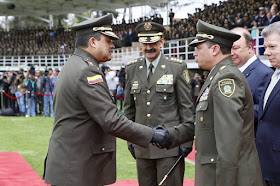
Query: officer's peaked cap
(149, 32)
(208, 32)
(101, 24)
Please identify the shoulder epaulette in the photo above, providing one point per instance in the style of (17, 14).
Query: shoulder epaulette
(173, 59)
(134, 61)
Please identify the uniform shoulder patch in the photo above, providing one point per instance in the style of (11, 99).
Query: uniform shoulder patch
(94, 79)
(186, 76)
(227, 87)
(133, 61)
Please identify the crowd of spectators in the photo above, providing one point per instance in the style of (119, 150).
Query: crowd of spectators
(36, 41)
(30, 93)
(27, 93)
(228, 14)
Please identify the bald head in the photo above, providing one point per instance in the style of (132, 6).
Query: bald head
(242, 49)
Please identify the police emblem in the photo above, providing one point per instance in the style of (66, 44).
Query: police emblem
(186, 76)
(227, 87)
(147, 26)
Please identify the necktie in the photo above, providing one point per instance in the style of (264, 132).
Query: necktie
(150, 72)
(274, 80)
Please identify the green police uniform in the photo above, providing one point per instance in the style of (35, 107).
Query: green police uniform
(224, 131)
(164, 100)
(82, 148)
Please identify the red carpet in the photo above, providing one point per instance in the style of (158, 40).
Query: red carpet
(187, 182)
(15, 171)
(191, 155)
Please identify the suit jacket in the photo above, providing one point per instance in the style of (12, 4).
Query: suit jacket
(82, 148)
(225, 147)
(275, 19)
(268, 138)
(257, 75)
(158, 102)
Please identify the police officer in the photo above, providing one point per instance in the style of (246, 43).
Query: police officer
(82, 148)
(225, 145)
(157, 91)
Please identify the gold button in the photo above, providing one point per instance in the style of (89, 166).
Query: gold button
(103, 149)
(212, 159)
(164, 89)
(148, 115)
(148, 103)
(148, 91)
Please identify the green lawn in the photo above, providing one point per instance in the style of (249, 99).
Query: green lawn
(30, 137)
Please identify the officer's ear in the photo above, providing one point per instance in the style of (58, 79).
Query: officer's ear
(92, 42)
(215, 49)
(161, 42)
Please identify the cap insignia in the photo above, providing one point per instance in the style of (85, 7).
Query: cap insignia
(147, 26)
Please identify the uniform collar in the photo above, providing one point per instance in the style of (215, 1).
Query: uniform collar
(155, 62)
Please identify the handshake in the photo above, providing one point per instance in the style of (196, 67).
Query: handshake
(161, 137)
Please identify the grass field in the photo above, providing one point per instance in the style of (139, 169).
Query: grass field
(30, 137)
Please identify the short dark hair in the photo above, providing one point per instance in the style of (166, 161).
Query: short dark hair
(82, 40)
(224, 49)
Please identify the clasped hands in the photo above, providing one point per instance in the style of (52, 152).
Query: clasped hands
(161, 137)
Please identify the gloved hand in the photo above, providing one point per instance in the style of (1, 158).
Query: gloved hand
(131, 149)
(184, 151)
(161, 137)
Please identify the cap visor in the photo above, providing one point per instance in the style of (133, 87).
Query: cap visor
(110, 34)
(149, 39)
(196, 41)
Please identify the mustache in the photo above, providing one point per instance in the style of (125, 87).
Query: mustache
(150, 51)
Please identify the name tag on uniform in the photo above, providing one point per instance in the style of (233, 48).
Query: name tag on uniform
(204, 95)
(166, 79)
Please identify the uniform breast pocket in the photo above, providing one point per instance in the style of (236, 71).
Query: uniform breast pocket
(201, 118)
(165, 94)
(136, 92)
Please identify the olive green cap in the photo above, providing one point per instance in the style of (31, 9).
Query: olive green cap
(149, 32)
(101, 24)
(208, 32)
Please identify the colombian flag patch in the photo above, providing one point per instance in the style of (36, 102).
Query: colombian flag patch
(94, 79)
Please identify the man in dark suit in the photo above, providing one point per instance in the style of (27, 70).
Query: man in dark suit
(157, 91)
(225, 147)
(268, 138)
(82, 148)
(256, 73)
(274, 16)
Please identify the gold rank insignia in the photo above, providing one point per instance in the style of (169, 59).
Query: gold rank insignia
(186, 76)
(227, 87)
(147, 26)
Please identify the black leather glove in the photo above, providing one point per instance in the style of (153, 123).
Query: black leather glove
(184, 151)
(161, 137)
(131, 150)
